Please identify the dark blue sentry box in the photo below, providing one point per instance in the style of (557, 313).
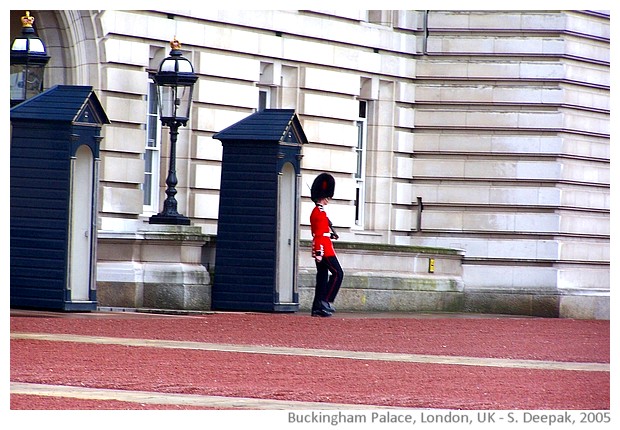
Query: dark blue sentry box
(55, 141)
(258, 225)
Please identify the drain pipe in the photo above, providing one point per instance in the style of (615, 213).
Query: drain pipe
(425, 28)
(420, 209)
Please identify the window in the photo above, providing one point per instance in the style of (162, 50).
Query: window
(264, 98)
(150, 187)
(360, 174)
(267, 85)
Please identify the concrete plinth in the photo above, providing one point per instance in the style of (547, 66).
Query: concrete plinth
(159, 266)
(585, 304)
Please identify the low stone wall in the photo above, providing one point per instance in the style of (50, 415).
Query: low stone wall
(167, 267)
(390, 278)
(541, 302)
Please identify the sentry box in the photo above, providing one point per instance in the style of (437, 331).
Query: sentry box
(258, 224)
(55, 140)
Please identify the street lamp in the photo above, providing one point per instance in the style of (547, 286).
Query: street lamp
(175, 83)
(28, 60)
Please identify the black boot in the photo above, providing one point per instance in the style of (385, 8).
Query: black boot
(321, 310)
(321, 313)
(329, 307)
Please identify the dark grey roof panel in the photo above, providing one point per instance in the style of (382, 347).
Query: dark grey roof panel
(60, 103)
(266, 125)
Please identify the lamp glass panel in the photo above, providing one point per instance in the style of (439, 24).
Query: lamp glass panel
(174, 101)
(36, 45)
(18, 88)
(34, 80)
(185, 66)
(19, 44)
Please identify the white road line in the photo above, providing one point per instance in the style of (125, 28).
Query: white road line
(324, 353)
(155, 398)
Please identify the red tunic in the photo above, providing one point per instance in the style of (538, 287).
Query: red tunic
(321, 233)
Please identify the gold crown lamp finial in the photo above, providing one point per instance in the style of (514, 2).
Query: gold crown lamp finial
(175, 44)
(27, 20)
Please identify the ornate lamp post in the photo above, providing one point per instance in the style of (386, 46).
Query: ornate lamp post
(175, 84)
(28, 60)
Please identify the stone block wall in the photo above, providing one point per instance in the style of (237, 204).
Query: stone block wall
(498, 122)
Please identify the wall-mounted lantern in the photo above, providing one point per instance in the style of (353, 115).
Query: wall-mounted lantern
(28, 60)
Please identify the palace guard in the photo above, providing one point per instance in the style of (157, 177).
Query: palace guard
(329, 273)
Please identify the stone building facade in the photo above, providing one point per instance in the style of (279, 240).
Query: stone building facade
(483, 132)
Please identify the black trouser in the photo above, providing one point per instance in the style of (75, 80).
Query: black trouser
(329, 277)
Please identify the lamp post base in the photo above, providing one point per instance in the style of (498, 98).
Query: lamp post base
(169, 219)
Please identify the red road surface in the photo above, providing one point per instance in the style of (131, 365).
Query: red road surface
(317, 379)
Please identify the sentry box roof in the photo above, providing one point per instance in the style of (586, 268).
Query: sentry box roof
(271, 125)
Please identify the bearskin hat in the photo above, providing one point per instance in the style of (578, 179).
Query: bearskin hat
(322, 187)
